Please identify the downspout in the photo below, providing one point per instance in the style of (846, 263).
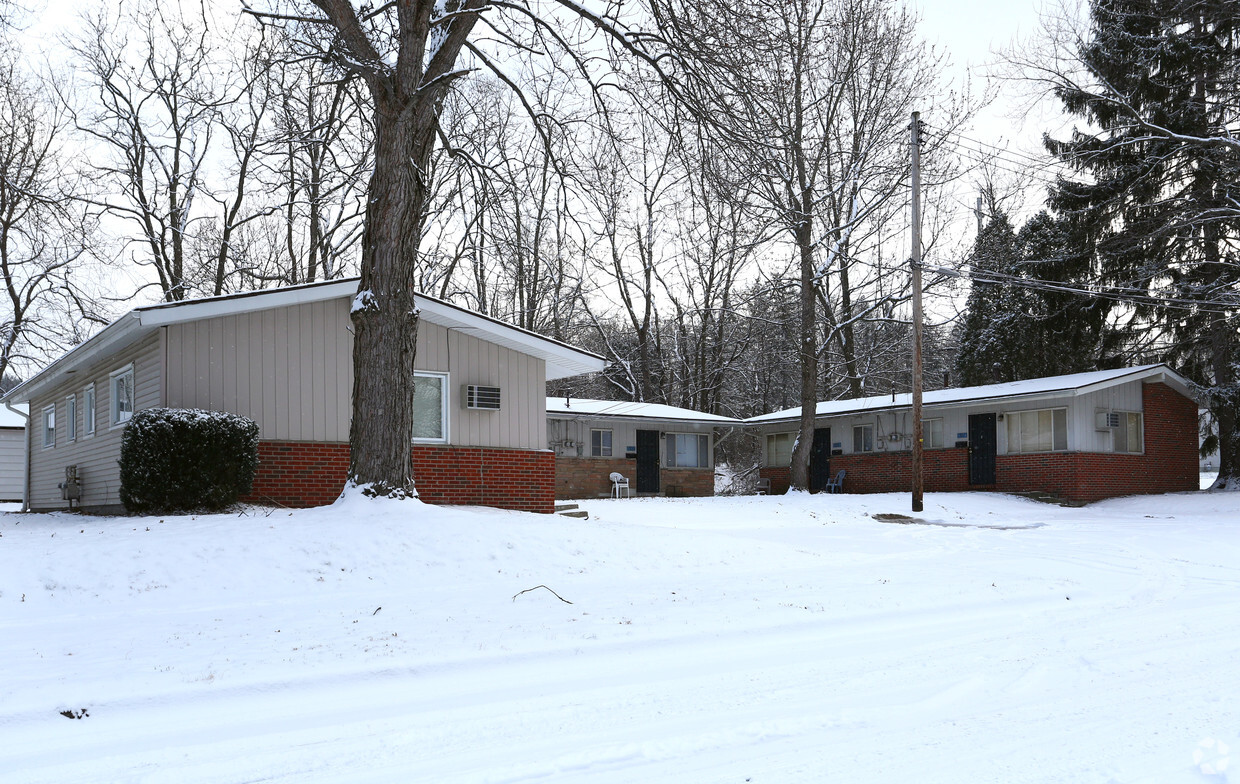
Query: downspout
(26, 461)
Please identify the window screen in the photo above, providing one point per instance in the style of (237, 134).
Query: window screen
(779, 449)
(863, 438)
(1038, 431)
(688, 450)
(429, 412)
(600, 443)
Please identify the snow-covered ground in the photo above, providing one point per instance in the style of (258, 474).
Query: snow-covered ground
(781, 639)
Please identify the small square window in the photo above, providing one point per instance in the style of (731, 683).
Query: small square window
(779, 449)
(932, 433)
(688, 450)
(600, 443)
(863, 438)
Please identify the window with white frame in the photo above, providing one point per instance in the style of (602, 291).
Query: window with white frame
(600, 443)
(1129, 436)
(430, 407)
(932, 433)
(1037, 431)
(688, 450)
(863, 438)
(71, 417)
(779, 449)
(120, 390)
(49, 426)
(88, 410)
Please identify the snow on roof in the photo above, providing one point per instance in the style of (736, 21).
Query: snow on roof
(11, 419)
(1074, 383)
(560, 406)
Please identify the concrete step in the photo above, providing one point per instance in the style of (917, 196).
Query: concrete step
(565, 507)
(580, 513)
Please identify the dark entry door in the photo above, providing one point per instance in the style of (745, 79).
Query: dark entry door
(647, 461)
(820, 459)
(981, 449)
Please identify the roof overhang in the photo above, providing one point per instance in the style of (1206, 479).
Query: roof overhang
(1147, 374)
(561, 359)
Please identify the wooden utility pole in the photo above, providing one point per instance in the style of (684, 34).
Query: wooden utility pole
(916, 264)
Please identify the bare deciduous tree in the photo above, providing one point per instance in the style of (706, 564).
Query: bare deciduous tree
(43, 231)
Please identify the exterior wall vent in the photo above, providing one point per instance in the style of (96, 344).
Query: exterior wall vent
(480, 398)
(1106, 420)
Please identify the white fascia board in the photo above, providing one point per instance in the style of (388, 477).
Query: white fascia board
(871, 406)
(125, 330)
(1150, 374)
(685, 420)
(562, 359)
(233, 304)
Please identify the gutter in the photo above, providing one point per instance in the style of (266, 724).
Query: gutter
(26, 461)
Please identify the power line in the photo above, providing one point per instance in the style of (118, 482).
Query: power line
(1096, 291)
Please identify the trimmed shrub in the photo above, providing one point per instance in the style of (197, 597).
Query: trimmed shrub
(179, 460)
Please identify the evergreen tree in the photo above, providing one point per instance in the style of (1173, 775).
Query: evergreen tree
(1160, 204)
(1016, 328)
(996, 312)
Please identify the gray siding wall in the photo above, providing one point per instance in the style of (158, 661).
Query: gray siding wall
(291, 371)
(95, 456)
(12, 462)
(1082, 436)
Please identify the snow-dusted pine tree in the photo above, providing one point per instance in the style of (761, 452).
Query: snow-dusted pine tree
(1158, 81)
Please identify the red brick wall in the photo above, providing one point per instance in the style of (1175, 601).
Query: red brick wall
(301, 473)
(590, 477)
(521, 479)
(1169, 463)
(780, 478)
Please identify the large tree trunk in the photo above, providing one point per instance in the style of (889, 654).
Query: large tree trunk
(385, 315)
(799, 470)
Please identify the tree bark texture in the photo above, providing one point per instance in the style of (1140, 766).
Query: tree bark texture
(385, 314)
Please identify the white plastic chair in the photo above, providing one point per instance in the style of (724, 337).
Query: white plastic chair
(619, 482)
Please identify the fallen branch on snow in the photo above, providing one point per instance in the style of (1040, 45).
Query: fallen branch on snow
(535, 588)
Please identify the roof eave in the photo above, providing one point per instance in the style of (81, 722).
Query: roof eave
(592, 415)
(121, 332)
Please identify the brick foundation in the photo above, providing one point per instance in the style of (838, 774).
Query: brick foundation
(300, 474)
(1169, 463)
(590, 477)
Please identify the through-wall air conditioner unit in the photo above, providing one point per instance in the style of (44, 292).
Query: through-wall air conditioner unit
(479, 398)
(1106, 420)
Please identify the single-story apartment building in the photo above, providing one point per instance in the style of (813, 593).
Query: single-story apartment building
(12, 454)
(1082, 437)
(660, 449)
(284, 358)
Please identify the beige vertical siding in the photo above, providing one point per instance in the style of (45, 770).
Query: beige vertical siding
(96, 456)
(291, 370)
(12, 462)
